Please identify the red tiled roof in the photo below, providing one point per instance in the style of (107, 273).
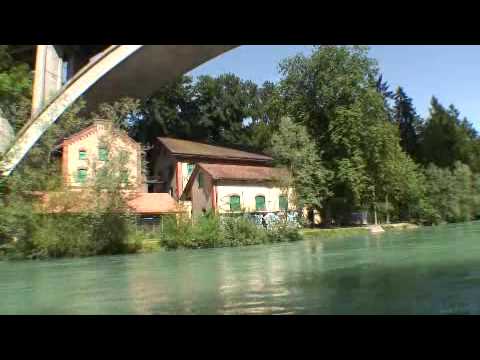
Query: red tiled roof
(154, 203)
(243, 172)
(80, 201)
(196, 149)
(91, 129)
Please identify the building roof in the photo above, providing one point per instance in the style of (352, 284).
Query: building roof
(80, 202)
(194, 149)
(245, 173)
(93, 128)
(154, 203)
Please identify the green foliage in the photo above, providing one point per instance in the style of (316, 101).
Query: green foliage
(94, 221)
(315, 87)
(446, 139)
(408, 123)
(335, 94)
(293, 148)
(334, 233)
(39, 170)
(210, 231)
(15, 86)
(451, 195)
(17, 219)
(122, 113)
(238, 231)
(224, 110)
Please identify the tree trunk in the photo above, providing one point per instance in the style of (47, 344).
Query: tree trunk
(375, 213)
(386, 209)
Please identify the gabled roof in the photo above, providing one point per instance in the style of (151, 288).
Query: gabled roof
(243, 172)
(198, 150)
(93, 128)
(246, 173)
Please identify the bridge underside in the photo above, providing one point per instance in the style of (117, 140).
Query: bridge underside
(151, 67)
(117, 71)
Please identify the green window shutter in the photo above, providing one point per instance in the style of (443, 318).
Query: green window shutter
(260, 203)
(235, 203)
(82, 155)
(201, 180)
(124, 174)
(82, 175)
(283, 202)
(190, 168)
(103, 154)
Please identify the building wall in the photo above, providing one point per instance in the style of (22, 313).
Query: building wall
(164, 167)
(202, 198)
(217, 195)
(173, 172)
(91, 141)
(247, 193)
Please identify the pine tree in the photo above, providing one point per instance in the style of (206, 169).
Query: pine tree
(384, 89)
(405, 116)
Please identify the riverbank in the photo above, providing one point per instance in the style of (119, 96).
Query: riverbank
(208, 236)
(334, 232)
(353, 231)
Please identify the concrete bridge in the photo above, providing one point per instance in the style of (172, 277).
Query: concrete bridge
(64, 73)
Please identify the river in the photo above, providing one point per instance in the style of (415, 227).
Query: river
(424, 271)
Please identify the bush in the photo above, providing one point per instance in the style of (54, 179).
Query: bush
(238, 231)
(212, 231)
(66, 235)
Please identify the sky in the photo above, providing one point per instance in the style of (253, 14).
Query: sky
(451, 73)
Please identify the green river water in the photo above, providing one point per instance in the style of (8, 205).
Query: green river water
(424, 271)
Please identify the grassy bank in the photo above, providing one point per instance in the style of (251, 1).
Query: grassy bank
(215, 232)
(401, 226)
(334, 233)
(352, 231)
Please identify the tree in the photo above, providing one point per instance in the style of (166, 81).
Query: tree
(408, 122)
(267, 113)
(452, 194)
(226, 107)
(323, 91)
(293, 148)
(384, 89)
(15, 88)
(169, 112)
(224, 110)
(447, 139)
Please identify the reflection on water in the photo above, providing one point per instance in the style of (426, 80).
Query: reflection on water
(426, 271)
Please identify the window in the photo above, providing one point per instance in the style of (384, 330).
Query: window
(103, 154)
(190, 169)
(260, 203)
(82, 155)
(82, 175)
(235, 203)
(65, 71)
(124, 176)
(201, 180)
(283, 202)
